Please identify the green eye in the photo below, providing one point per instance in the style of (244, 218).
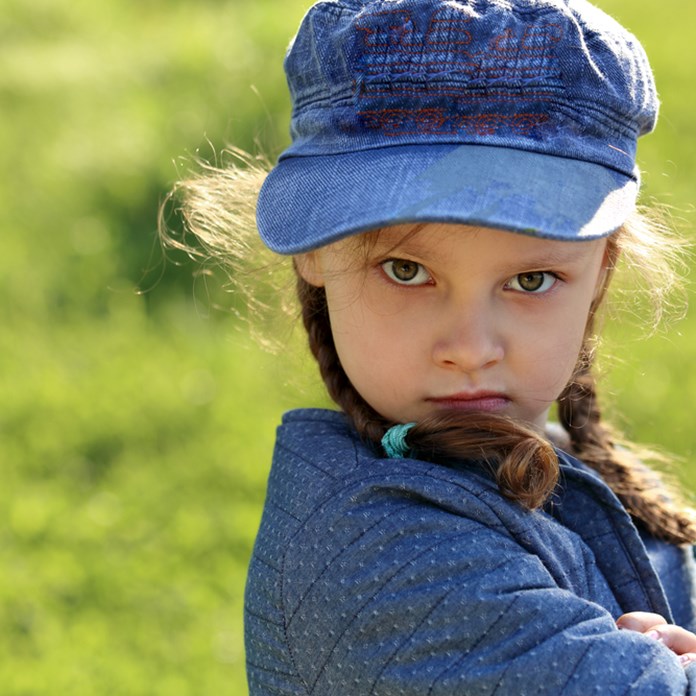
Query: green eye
(405, 272)
(533, 282)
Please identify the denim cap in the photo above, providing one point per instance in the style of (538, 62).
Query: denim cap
(517, 114)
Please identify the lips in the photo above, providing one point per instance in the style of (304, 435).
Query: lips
(473, 401)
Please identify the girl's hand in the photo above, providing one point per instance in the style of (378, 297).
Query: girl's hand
(677, 639)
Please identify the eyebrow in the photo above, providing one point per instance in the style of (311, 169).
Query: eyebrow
(555, 254)
(411, 245)
(569, 252)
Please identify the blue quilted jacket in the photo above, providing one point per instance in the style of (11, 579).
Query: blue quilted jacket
(384, 577)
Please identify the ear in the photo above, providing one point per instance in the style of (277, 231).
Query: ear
(309, 268)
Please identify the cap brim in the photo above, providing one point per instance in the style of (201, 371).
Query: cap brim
(309, 201)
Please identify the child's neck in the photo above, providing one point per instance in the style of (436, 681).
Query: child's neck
(557, 436)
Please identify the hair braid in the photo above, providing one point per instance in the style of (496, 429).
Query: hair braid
(315, 316)
(641, 490)
(525, 464)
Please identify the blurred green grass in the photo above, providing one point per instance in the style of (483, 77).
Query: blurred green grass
(137, 423)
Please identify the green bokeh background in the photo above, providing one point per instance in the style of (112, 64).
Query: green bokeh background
(136, 422)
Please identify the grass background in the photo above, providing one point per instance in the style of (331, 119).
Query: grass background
(136, 422)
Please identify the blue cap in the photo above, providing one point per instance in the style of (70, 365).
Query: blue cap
(516, 114)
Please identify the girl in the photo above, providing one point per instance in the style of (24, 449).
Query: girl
(460, 186)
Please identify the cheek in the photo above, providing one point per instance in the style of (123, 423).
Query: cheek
(365, 320)
(561, 361)
(379, 353)
(367, 342)
(571, 347)
(548, 351)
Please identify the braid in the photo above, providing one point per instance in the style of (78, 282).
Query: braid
(525, 465)
(315, 316)
(640, 489)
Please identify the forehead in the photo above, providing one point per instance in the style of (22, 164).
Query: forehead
(444, 241)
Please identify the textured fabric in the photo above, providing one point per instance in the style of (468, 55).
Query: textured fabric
(388, 576)
(522, 115)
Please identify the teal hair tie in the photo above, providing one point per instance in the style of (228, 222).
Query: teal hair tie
(394, 441)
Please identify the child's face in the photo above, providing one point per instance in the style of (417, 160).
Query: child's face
(458, 317)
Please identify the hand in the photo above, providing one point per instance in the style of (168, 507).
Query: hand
(677, 639)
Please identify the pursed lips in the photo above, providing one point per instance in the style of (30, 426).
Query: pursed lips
(473, 401)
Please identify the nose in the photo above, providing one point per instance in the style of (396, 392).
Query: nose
(470, 341)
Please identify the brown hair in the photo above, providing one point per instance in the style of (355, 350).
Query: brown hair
(218, 208)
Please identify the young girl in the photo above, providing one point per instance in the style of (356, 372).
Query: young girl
(460, 186)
